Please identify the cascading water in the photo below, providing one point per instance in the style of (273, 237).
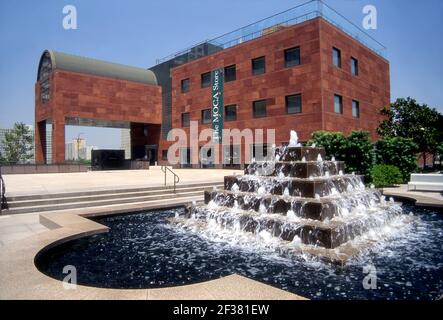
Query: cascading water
(299, 203)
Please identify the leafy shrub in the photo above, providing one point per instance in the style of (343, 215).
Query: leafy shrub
(400, 152)
(384, 175)
(356, 149)
(359, 152)
(333, 142)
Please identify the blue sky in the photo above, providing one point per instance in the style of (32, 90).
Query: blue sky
(136, 32)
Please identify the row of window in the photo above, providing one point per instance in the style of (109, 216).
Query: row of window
(293, 104)
(336, 61)
(258, 66)
(206, 118)
(338, 106)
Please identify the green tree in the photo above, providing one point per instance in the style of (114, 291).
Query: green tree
(398, 151)
(408, 119)
(18, 144)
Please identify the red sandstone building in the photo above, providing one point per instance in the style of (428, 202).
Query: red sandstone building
(304, 74)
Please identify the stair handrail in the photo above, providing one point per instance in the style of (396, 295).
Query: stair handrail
(165, 169)
(2, 191)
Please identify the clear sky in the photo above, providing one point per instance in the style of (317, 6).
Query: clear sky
(136, 32)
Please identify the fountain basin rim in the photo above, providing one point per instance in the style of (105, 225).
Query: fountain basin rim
(21, 272)
(74, 224)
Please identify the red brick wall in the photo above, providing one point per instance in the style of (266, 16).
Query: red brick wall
(315, 78)
(93, 97)
(274, 85)
(371, 87)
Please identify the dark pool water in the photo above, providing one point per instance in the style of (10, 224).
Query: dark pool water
(144, 250)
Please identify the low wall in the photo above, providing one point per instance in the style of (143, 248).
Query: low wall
(138, 164)
(126, 165)
(43, 168)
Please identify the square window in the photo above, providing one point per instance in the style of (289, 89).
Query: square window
(292, 57)
(185, 85)
(258, 66)
(338, 104)
(354, 66)
(206, 116)
(336, 57)
(259, 108)
(206, 80)
(185, 119)
(355, 109)
(293, 103)
(230, 73)
(231, 113)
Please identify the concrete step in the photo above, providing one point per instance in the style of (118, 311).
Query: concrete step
(105, 198)
(162, 188)
(117, 201)
(112, 196)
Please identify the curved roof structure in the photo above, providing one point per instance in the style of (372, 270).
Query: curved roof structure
(68, 62)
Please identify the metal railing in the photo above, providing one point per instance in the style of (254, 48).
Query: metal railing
(2, 192)
(165, 169)
(301, 13)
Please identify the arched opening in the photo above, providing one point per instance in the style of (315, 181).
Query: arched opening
(44, 72)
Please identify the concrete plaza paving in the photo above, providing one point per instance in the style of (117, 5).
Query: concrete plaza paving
(20, 226)
(25, 184)
(422, 198)
(17, 227)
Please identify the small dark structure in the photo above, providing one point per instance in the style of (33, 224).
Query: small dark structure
(108, 159)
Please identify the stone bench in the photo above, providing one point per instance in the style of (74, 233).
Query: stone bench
(426, 182)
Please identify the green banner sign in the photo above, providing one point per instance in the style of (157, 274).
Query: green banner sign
(217, 78)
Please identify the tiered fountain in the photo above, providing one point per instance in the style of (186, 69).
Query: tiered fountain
(305, 202)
